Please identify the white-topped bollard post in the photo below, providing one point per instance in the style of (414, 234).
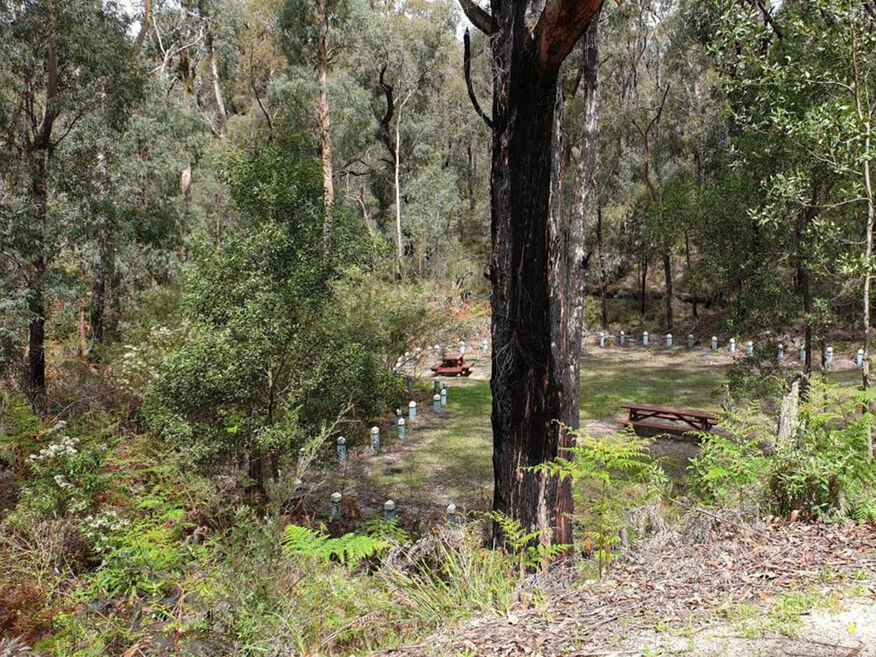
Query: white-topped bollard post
(828, 356)
(669, 340)
(451, 514)
(389, 510)
(645, 339)
(602, 338)
(400, 428)
(732, 345)
(623, 339)
(749, 348)
(445, 391)
(335, 507)
(859, 358)
(342, 451)
(375, 439)
(412, 411)
(690, 341)
(714, 343)
(444, 396)
(780, 352)
(436, 403)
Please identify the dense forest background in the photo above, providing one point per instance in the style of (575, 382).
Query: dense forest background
(223, 221)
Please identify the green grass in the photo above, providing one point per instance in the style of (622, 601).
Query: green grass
(449, 458)
(679, 379)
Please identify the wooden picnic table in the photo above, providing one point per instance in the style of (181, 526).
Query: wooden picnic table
(452, 366)
(667, 419)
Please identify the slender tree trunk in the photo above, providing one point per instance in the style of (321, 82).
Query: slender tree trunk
(667, 273)
(36, 306)
(643, 268)
(687, 261)
(103, 256)
(146, 24)
(868, 255)
(103, 265)
(400, 252)
(325, 135)
(217, 89)
(38, 153)
(603, 274)
(585, 201)
(399, 245)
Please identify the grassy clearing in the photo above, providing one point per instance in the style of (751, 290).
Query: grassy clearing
(678, 378)
(449, 458)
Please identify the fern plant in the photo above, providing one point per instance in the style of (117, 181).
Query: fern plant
(348, 549)
(532, 552)
(610, 474)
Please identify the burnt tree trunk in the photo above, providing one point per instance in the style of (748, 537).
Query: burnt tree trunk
(534, 265)
(667, 273)
(643, 269)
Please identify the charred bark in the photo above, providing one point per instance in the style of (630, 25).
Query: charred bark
(667, 273)
(534, 265)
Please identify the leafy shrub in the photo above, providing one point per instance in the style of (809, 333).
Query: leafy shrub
(65, 478)
(822, 472)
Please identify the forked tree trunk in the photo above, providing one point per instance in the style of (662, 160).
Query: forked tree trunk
(534, 267)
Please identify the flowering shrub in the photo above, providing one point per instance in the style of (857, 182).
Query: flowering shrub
(66, 477)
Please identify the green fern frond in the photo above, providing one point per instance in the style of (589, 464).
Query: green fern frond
(350, 548)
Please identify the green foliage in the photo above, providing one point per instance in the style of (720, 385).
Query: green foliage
(19, 427)
(266, 360)
(610, 475)
(348, 549)
(822, 473)
(65, 477)
(531, 549)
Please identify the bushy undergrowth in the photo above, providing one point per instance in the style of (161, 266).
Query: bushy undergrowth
(821, 472)
(131, 551)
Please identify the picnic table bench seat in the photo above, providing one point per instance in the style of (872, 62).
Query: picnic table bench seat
(452, 366)
(655, 419)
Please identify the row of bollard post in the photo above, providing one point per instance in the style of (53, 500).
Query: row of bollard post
(732, 347)
(390, 510)
(439, 399)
